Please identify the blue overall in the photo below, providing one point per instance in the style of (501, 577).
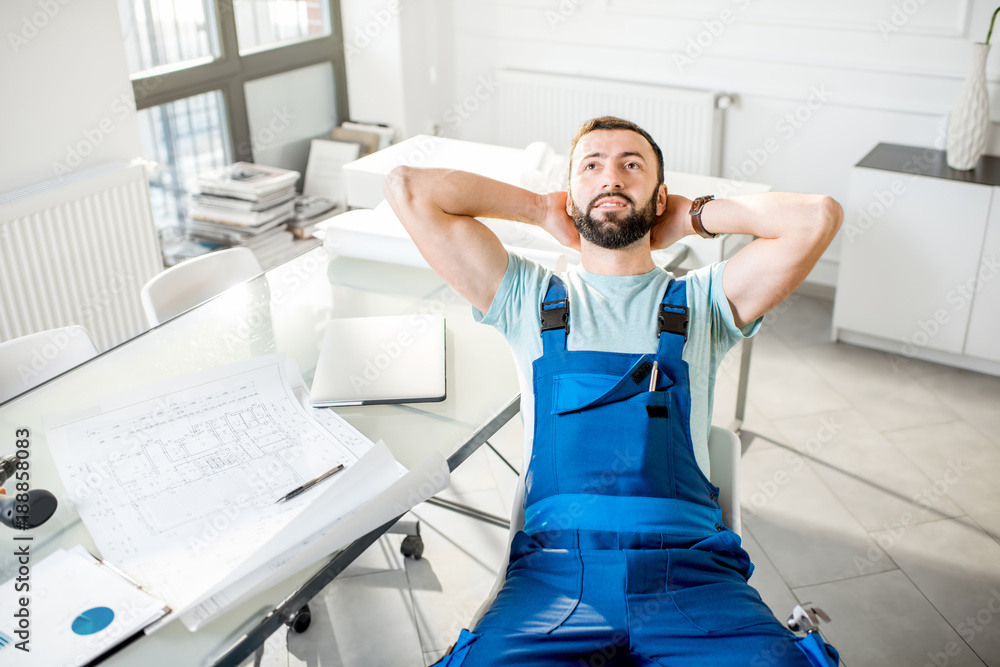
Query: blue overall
(623, 559)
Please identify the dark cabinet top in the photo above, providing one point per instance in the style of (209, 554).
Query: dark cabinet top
(931, 162)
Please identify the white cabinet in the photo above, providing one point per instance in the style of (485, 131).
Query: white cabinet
(983, 340)
(918, 257)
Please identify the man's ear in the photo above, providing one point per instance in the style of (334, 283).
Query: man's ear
(661, 199)
(569, 203)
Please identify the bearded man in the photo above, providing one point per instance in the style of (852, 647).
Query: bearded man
(619, 553)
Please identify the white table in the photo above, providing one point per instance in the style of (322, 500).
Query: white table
(284, 310)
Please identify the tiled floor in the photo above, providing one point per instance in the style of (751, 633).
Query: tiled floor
(871, 487)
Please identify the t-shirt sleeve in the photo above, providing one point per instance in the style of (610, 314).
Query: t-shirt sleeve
(724, 331)
(519, 290)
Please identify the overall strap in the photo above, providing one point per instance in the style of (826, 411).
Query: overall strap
(673, 320)
(554, 314)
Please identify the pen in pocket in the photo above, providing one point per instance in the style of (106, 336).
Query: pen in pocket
(652, 376)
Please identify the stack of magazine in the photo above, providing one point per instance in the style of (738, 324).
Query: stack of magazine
(243, 204)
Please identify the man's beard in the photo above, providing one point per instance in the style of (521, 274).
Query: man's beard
(618, 230)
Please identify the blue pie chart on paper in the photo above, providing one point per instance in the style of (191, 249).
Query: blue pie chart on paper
(93, 620)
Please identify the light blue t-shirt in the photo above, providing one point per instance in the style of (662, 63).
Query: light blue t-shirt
(618, 314)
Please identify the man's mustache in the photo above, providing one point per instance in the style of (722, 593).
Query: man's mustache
(618, 195)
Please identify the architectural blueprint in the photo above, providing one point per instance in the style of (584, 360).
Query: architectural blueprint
(178, 483)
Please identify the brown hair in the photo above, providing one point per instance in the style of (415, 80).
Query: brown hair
(613, 123)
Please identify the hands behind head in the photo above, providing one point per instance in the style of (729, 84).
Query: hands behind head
(673, 224)
(557, 222)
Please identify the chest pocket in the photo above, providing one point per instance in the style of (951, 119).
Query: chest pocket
(611, 435)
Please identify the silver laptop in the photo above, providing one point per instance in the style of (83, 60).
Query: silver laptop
(369, 360)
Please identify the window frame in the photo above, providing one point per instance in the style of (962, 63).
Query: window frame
(230, 71)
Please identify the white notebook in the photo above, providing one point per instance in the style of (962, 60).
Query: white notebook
(370, 360)
(79, 608)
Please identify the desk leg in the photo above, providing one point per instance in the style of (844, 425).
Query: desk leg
(741, 391)
(484, 433)
(286, 612)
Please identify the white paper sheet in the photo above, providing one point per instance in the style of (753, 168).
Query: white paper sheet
(271, 565)
(426, 479)
(63, 586)
(177, 483)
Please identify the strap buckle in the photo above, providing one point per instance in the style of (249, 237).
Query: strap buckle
(674, 321)
(555, 318)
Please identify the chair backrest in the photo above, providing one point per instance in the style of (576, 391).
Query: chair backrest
(195, 281)
(30, 360)
(724, 452)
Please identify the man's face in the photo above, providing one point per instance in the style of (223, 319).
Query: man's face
(614, 198)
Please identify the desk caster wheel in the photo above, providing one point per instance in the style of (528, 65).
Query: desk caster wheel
(412, 547)
(300, 622)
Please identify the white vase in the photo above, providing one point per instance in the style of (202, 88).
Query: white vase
(970, 117)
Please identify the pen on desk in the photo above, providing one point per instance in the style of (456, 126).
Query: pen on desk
(120, 573)
(308, 485)
(652, 376)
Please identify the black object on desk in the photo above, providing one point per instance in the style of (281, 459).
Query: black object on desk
(311, 483)
(41, 504)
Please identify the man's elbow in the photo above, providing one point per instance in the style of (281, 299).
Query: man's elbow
(827, 216)
(398, 187)
(831, 215)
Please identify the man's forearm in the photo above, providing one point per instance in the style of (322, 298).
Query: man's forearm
(772, 215)
(464, 194)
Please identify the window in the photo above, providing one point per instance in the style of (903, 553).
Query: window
(220, 81)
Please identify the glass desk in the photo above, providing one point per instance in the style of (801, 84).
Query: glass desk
(284, 310)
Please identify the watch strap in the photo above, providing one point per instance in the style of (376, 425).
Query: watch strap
(696, 224)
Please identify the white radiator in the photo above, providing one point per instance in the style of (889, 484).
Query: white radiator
(686, 123)
(77, 252)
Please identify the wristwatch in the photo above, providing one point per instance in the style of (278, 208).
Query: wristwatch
(696, 207)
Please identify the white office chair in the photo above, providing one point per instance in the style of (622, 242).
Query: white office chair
(195, 281)
(30, 360)
(724, 452)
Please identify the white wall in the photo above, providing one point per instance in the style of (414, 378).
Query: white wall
(886, 70)
(399, 62)
(67, 98)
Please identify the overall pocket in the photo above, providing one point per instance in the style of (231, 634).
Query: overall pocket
(542, 589)
(612, 447)
(712, 592)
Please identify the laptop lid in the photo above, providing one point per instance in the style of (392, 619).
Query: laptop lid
(369, 360)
